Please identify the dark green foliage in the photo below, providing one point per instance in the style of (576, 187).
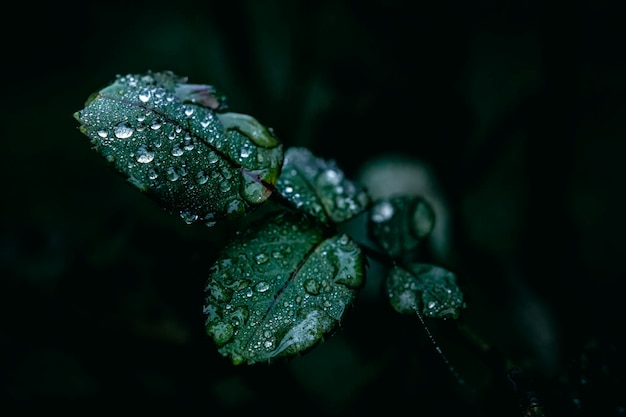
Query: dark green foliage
(286, 282)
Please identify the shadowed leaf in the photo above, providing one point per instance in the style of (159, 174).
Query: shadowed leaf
(429, 289)
(164, 136)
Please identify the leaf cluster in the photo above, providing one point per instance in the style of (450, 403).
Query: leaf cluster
(284, 282)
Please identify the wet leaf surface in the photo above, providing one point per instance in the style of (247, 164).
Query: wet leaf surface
(399, 223)
(165, 137)
(431, 290)
(319, 187)
(279, 288)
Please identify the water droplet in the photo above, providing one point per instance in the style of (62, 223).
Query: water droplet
(213, 158)
(225, 186)
(144, 96)
(188, 111)
(382, 212)
(221, 332)
(156, 125)
(262, 286)
(103, 133)
(201, 177)
(329, 177)
(176, 150)
(245, 151)
(144, 154)
(123, 130)
(239, 316)
(261, 258)
(218, 292)
(152, 174)
(311, 286)
(235, 207)
(172, 174)
(188, 216)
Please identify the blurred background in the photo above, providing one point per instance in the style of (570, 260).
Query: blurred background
(509, 115)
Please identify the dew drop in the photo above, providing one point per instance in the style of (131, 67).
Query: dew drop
(382, 212)
(311, 286)
(145, 96)
(239, 316)
(102, 133)
(176, 150)
(245, 151)
(188, 111)
(261, 258)
(144, 155)
(225, 186)
(201, 177)
(152, 174)
(188, 216)
(123, 131)
(213, 158)
(171, 174)
(262, 286)
(221, 331)
(236, 206)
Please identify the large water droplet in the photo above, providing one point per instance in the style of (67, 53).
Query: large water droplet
(262, 286)
(382, 212)
(252, 187)
(311, 286)
(177, 150)
(221, 332)
(144, 155)
(225, 186)
(261, 258)
(201, 177)
(144, 96)
(123, 130)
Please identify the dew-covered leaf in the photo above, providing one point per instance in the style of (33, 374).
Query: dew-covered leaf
(319, 187)
(165, 137)
(399, 223)
(278, 288)
(428, 289)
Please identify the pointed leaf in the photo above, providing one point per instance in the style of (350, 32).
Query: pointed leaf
(429, 289)
(320, 188)
(277, 289)
(399, 223)
(164, 136)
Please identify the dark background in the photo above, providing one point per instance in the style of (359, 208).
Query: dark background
(517, 106)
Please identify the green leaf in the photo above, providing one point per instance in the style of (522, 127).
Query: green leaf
(428, 289)
(165, 137)
(398, 224)
(278, 288)
(319, 188)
